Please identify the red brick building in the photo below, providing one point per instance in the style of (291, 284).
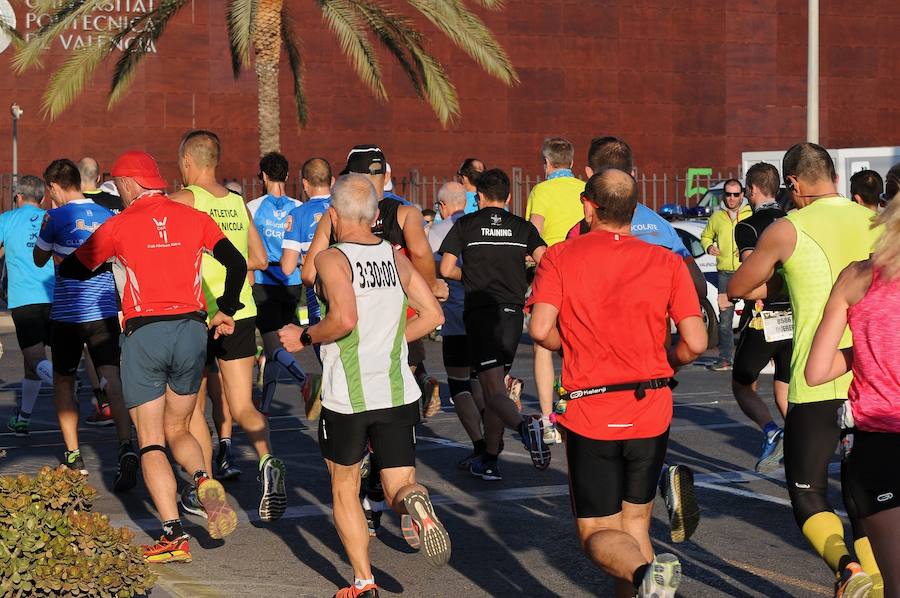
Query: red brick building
(691, 83)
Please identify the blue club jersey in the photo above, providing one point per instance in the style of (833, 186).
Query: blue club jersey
(649, 226)
(270, 215)
(28, 284)
(65, 229)
(301, 228)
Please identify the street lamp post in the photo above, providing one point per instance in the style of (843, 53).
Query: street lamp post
(16, 112)
(812, 74)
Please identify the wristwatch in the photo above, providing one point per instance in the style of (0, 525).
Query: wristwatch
(305, 338)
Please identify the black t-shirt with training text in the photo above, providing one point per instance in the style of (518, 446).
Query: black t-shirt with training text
(493, 244)
(746, 235)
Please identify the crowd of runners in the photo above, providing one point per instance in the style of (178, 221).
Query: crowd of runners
(163, 296)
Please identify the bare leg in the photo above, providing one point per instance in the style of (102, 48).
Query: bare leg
(496, 398)
(398, 482)
(66, 409)
(616, 551)
(199, 429)
(883, 531)
(92, 373)
(781, 397)
(493, 432)
(543, 378)
(237, 378)
(221, 415)
(158, 476)
(349, 519)
(116, 401)
(466, 408)
(751, 403)
(179, 413)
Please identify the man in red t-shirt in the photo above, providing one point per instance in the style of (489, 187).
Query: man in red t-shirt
(605, 298)
(156, 246)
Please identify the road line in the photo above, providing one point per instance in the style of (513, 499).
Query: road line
(754, 495)
(783, 579)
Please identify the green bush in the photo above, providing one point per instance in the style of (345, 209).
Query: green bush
(50, 545)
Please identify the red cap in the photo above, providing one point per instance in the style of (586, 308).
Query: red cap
(141, 167)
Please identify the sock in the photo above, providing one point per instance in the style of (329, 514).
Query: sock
(172, 529)
(263, 459)
(489, 458)
(825, 533)
(638, 578)
(866, 559)
(30, 390)
(769, 430)
(225, 444)
(545, 420)
(480, 446)
(44, 370)
(361, 583)
(270, 383)
(290, 364)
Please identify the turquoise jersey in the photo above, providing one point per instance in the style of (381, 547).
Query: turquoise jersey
(28, 284)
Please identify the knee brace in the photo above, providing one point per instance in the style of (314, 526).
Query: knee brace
(152, 447)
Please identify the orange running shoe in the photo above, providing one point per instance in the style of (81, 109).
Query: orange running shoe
(168, 551)
(222, 520)
(369, 591)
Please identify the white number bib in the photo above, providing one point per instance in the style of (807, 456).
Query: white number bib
(777, 325)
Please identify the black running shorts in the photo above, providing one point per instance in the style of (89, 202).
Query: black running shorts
(238, 345)
(276, 305)
(753, 354)
(605, 473)
(32, 324)
(493, 335)
(343, 437)
(67, 341)
(873, 472)
(455, 349)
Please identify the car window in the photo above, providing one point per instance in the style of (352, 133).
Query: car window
(691, 242)
(712, 199)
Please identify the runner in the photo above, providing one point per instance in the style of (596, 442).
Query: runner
(91, 177)
(465, 392)
(83, 313)
(165, 333)
(369, 395)
(754, 350)
(491, 245)
(867, 295)
(30, 294)
(276, 293)
(619, 406)
(813, 244)
(467, 176)
(866, 189)
(234, 354)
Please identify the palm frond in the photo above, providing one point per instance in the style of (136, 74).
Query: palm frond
(491, 4)
(15, 38)
(29, 54)
(343, 20)
(150, 26)
(295, 60)
(241, 17)
(69, 79)
(470, 34)
(439, 91)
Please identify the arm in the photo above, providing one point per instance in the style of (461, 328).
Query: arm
(691, 342)
(538, 253)
(257, 259)
(449, 268)
(684, 309)
(420, 254)
(319, 243)
(544, 303)
(538, 221)
(43, 245)
(86, 261)
(428, 312)
(827, 360)
(775, 247)
(708, 236)
(41, 256)
(235, 273)
(289, 260)
(543, 326)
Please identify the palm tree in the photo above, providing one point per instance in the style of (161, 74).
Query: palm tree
(264, 26)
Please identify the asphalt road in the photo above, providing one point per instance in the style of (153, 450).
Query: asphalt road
(512, 537)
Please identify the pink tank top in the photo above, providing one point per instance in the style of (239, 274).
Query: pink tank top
(875, 324)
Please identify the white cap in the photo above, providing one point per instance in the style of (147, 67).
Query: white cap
(388, 181)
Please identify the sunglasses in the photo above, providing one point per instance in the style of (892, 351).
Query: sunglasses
(730, 194)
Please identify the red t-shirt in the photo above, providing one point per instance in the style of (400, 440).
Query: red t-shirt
(614, 294)
(156, 247)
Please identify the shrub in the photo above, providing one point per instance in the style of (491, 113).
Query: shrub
(51, 545)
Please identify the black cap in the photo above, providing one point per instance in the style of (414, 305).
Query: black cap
(365, 159)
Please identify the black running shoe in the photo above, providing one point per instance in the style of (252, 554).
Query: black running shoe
(73, 461)
(532, 431)
(126, 476)
(486, 470)
(677, 488)
(225, 467)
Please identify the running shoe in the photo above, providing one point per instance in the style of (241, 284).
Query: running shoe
(852, 582)
(225, 467)
(677, 488)
(189, 502)
(721, 365)
(73, 461)
(102, 416)
(274, 497)
(467, 461)
(177, 550)
(365, 466)
(514, 390)
(373, 518)
(431, 394)
(368, 591)
(552, 435)
(126, 475)
(486, 470)
(532, 432)
(222, 520)
(433, 536)
(410, 532)
(18, 426)
(772, 453)
(662, 577)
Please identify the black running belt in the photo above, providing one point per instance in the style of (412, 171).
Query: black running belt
(639, 388)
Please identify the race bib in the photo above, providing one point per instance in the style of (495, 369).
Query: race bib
(777, 326)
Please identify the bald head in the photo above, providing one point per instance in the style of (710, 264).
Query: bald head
(90, 173)
(452, 197)
(354, 199)
(317, 173)
(613, 196)
(203, 148)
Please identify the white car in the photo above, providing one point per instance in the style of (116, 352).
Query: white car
(690, 231)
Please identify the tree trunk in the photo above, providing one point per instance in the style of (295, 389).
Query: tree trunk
(267, 45)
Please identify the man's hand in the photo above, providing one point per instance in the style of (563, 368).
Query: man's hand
(713, 250)
(222, 324)
(440, 290)
(290, 338)
(724, 302)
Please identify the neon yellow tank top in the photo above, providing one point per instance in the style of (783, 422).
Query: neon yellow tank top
(832, 232)
(230, 214)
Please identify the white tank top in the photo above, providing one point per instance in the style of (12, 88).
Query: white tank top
(367, 369)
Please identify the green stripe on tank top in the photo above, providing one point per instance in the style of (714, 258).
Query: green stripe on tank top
(396, 374)
(349, 347)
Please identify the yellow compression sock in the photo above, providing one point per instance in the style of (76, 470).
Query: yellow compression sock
(866, 559)
(826, 534)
